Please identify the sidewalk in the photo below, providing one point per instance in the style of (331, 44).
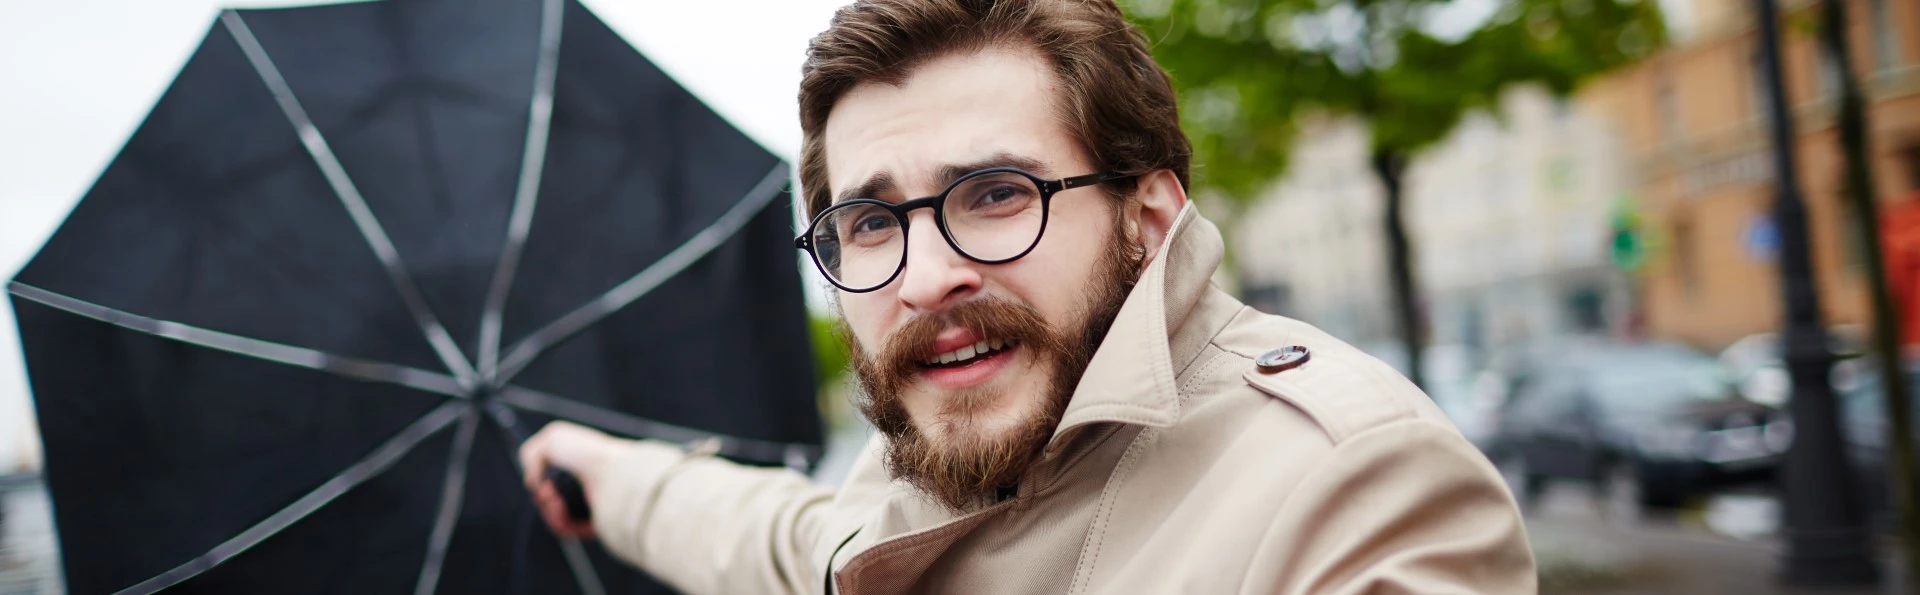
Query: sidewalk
(1581, 552)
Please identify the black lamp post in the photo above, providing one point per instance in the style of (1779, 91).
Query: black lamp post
(1826, 534)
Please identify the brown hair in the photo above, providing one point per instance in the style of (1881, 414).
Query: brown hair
(1117, 101)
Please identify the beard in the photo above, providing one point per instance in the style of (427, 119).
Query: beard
(952, 458)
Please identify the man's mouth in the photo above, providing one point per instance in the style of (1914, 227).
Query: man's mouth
(969, 365)
(970, 354)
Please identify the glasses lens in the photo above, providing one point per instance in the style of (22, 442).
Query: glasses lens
(995, 216)
(859, 245)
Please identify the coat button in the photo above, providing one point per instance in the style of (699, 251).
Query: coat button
(1283, 359)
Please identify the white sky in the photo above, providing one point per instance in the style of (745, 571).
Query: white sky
(77, 76)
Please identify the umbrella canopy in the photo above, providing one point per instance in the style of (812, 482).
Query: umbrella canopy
(289, 340)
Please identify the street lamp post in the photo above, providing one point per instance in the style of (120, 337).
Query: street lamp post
(1826, 536)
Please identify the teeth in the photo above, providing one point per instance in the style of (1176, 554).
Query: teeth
(968, 352)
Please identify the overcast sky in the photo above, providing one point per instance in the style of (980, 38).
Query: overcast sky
(77, 76)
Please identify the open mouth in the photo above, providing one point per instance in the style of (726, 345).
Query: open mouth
(966, 356)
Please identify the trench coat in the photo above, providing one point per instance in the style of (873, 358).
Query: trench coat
(1181, 465)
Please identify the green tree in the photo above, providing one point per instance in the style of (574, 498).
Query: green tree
(1248, 70)
(830, 353)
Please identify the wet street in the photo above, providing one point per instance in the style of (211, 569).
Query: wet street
(28, 562)
(1726, 543)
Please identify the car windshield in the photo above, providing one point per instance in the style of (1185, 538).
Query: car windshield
(1654, 379)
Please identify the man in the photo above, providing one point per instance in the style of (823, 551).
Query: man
(1064, 403)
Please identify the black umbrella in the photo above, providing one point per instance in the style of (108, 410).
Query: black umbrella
(268, 345)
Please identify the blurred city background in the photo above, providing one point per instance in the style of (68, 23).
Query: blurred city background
(1573, 204)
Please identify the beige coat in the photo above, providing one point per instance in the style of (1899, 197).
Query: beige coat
(1179, 467)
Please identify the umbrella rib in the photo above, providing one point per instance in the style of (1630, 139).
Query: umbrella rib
(582, 567)
(300, 357)
(785, 453)
(378, 461)
(523, 352)
(356, 205)
(577, 560)
(532, 165)
(452, 494)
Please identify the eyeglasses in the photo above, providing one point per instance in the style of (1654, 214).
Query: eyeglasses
(996, 216)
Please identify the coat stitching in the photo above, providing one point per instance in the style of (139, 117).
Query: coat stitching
(1204, 373)
(1096, 535)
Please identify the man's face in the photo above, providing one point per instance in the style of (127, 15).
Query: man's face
(959, 429)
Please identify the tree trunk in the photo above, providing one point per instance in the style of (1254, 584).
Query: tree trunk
(1389, 165)
(1852, 122)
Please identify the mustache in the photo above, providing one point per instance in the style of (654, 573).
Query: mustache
(985, 317)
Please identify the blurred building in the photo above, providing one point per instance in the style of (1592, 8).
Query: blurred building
(1508, 218)
(1692, 126)
(1311, 247)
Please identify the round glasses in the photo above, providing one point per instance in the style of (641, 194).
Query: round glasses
(991, 216)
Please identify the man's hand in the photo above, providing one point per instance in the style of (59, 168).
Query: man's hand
(575, 448)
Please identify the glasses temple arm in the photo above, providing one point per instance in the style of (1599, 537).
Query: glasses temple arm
(1078, 181)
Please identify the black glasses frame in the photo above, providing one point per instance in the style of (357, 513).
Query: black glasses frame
(937, 202)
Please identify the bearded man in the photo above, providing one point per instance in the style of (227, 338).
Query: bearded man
(997, 192)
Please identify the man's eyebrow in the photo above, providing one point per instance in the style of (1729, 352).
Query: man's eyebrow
(883, 182)
(873, 187)
(949, 173)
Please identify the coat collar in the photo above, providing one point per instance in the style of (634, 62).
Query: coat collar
(1170, 315)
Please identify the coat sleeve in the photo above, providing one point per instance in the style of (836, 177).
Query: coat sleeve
(707, 526)
(1405, 507)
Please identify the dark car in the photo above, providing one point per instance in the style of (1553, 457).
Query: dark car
(1863, 418)
(1656, 419)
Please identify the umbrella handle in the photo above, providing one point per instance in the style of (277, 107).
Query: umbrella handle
(571, 493)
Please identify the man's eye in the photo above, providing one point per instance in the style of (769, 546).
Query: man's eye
(872, 223)
(1000, 195)
(993, 195)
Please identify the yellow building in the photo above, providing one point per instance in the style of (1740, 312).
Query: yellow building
(1692, 124)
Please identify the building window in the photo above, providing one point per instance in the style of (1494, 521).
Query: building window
(1666, 100)
(1586, 308)
(1757, 84)
(1886, 41)
(1829, 74)
(1853, 243)
(1685, 261)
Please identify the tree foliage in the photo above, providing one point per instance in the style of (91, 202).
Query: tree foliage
(1248, 69)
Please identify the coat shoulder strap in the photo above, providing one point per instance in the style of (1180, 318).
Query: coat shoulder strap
(1341, 389)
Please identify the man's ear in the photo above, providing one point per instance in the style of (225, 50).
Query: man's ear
(1156, 204)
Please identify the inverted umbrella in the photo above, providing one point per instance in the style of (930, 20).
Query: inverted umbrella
(289, 339)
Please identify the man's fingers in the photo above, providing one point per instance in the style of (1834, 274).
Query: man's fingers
(553, 510)
(567, 446)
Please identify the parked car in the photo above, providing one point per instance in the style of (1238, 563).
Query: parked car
(1863, 421)
(1656, 420)
(1458, 383)
(1753, 362)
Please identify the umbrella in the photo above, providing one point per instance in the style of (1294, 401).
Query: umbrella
(290, 338)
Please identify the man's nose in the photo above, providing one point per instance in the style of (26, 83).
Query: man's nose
(936, 276)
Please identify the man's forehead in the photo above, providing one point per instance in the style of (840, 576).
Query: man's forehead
(983, 109)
